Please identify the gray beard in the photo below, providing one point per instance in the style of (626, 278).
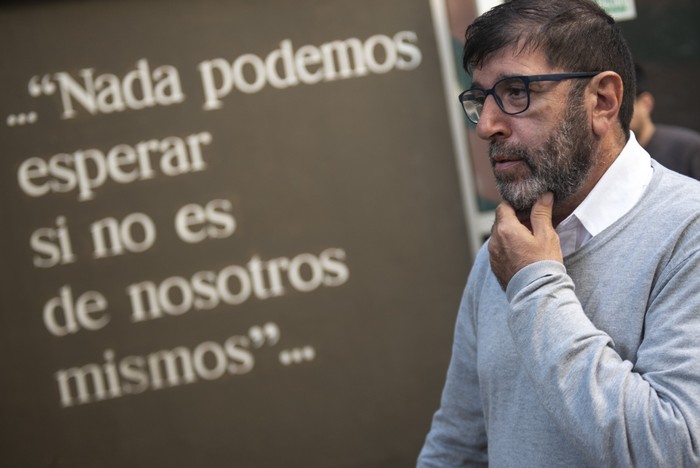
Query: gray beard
(560, 165)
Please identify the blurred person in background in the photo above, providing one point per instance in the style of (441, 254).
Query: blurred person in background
(677, 148)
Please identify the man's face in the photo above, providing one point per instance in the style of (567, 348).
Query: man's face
(560, 164)
(549, 147)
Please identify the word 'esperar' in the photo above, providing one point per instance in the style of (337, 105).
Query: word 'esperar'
(85, 171)
(146, 86)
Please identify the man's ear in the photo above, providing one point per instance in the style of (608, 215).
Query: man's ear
(606, 96)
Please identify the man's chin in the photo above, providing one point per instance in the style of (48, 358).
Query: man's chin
(522, 209)
(522, 194)
(521, 204)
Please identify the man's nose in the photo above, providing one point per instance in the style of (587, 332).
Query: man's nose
(492, 120)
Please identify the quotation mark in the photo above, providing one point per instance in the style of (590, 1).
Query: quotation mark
(268, 334)
(38, 86)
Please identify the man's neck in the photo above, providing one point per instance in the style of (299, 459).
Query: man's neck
(608, 151)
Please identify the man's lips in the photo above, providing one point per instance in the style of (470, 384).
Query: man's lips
(504, 164)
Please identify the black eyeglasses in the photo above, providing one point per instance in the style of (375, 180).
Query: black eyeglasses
(512, 94)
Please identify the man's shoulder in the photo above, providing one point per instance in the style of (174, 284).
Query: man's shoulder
(481, 268)
(671, 183)
(674, 194)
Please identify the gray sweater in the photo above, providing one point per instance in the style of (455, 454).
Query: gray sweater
(592, 363)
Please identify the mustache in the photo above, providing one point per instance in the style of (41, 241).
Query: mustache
(501, 151)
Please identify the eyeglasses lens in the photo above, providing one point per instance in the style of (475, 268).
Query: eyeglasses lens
(473, 102)
(512, 95)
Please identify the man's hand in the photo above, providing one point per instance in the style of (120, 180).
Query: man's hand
(513, 246)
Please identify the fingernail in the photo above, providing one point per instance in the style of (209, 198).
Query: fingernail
(548, 198)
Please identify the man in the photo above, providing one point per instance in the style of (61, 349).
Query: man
(677, 148)
(578, 346)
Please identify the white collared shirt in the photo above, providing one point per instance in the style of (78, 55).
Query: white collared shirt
(615, 194)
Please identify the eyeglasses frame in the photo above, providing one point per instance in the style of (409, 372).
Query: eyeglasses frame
(527, 79)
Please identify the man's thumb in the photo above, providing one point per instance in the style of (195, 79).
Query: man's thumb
(541, 213)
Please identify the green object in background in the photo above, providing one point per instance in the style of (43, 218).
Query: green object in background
(619, 9)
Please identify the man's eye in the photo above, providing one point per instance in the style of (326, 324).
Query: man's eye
(512, 91)
(515, 92)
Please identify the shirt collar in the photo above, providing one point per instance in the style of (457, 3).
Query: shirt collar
(617, 191)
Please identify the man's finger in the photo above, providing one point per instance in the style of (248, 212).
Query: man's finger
(504, 210)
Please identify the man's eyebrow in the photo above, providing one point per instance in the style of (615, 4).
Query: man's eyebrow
(500, 76)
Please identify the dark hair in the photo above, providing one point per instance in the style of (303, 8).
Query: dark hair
(574, 35)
